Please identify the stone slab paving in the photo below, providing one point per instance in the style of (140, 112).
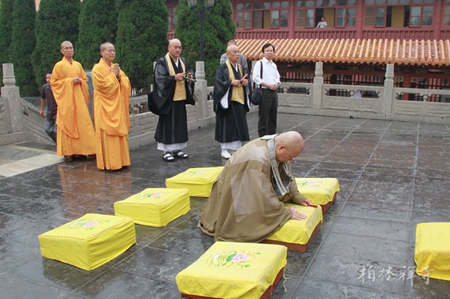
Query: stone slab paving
(27, 156)
(392, 174)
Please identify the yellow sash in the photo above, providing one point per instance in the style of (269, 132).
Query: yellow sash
(237, 93)
(180, 89)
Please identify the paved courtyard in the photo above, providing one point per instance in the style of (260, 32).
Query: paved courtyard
(392, 176)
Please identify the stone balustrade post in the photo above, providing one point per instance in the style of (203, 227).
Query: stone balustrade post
(388, 91)
(201, 89)
(317, 91)
(11, 93)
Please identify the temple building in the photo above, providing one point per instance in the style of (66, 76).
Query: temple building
(358, 40)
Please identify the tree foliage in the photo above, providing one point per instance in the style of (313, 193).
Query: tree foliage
(218, 29)
(98, 24)
(22, 45)
(6, 23)
(141, 38)
(56, 21)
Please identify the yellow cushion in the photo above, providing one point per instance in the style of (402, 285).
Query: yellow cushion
(199, 181)
(298, 231)
(90, 241)
(432, 250)
(319, 190)
(233, 270)
(155, 206)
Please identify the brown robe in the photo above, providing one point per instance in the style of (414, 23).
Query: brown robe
(244, 206)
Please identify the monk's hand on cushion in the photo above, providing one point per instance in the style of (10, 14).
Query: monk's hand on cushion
(306, 202)
(297, 216)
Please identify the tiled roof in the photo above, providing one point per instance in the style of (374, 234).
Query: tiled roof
(368, 51)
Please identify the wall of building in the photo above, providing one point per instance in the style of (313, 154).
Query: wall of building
(395, 30)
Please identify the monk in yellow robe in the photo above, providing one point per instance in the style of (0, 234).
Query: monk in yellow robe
(76, 134)
(111, 105)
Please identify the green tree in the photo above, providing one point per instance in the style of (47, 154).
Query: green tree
(22, 45)
(6, 23)
(56, 21)
(141, 38)
(218, 29)
(98, 24)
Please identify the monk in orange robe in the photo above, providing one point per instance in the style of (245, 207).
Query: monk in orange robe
(76, 134)
(111, 105)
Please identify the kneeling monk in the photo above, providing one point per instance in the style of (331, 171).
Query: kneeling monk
(246, 202)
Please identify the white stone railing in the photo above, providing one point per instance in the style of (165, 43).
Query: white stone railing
(317, 98)
(12, 128)
(376, 102)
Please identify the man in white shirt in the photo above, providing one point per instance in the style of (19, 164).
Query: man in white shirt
(269, 81)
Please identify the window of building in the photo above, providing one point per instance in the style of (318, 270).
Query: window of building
(305, 18)
(345, 17)
(375, 16)
(399, 13)
(421, 16)
(244, 15)
(446, 18)
(262, 14)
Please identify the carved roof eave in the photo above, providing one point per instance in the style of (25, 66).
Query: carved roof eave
(435, 53)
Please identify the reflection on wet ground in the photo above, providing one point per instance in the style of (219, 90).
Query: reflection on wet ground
(392, 175)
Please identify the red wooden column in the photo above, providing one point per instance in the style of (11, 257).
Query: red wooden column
(406, 81)
(359, 19)
(437, 19)
(291, 18)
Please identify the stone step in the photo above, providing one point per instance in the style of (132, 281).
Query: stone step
(13, 138)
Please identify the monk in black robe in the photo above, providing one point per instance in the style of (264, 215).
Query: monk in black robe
(231, 104)
(171, 93)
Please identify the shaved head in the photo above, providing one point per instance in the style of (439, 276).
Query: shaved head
(291, 139)
(232, 48)
(174, 48)
(108, 52)
(66, 43)
(233, 54)
(104, 46)
(174, 42)
(288, 145)
(67, 49)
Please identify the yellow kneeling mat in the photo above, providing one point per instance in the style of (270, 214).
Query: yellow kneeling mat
(90, 241)
(298, 231)
(233, 270)
(432, 250)
(155, 206)
(319, 190)
(199, 181)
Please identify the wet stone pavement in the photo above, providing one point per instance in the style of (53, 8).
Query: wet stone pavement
(392, 176)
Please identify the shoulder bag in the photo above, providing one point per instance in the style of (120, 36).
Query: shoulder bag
(256, 94)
